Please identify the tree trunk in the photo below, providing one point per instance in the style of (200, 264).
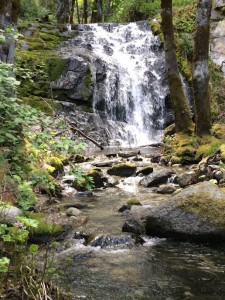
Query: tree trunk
(62, 14)
(78, 13)
(85, 4)
(9, 12)
(183, 121)
(108, 10)
(72, 12)
(97, 12)
(200, 72)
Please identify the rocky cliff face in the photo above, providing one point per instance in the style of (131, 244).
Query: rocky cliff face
(217, 47)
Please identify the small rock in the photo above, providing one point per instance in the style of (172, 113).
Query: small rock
(84, 194)
(166, 189)
(186, 179)
(72, 211)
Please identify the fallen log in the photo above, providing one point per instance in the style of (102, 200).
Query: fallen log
(87, 137)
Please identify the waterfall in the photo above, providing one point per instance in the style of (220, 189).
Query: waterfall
(128, 71)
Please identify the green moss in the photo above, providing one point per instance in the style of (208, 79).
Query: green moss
(133, 201)
(86, 88)
(49, 37)
(218, 130)
(56, 67)
(156, 28)
(222, 149)
(48, 106)
(175, 160)
(45, 227)
(201, 205)
(124, 165)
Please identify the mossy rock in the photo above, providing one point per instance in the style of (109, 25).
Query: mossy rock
(170, 130)
(95, 173)
(195, 213)
(156, 27)
(175, 160)
(56, 67)
(48, 106)
(222, 149)
(45, 226)
(122, 170)
(133, 201)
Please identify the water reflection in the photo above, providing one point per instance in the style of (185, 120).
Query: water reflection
(164, 270)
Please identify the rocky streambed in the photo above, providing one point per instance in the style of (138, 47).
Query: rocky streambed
(121, 257)
(131, 237)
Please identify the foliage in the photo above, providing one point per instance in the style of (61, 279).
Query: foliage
(18, 263)
(30, 10)
(30, 142)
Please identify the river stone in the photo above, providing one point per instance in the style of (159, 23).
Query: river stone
(145, 171)
(156, 178)
(166, 189)
(97, 178)
(127, 154)
(10, 214)
(72, 211)
(186, 179)
(136, 219)
(196, 213)
(122, 170)
(110, 241)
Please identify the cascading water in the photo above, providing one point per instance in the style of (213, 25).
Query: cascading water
(133, 91)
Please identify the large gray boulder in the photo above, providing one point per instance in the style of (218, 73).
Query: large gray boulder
(156, 178)
(196, 213)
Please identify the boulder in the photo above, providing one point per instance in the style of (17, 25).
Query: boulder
(136, 219)
(195, 213)
(97, 178)
(156, 178)
(10, 214)
(72, 211)
(145, 171)
(186, 179)
(122, 170)
(166, 189)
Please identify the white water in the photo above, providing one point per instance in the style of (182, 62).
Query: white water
(134, 90)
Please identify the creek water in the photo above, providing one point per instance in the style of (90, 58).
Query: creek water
(159, 269)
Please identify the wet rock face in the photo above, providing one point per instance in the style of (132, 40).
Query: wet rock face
(217, 46)
(75, 83)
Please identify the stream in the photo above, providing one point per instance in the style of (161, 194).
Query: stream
(159, 269)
